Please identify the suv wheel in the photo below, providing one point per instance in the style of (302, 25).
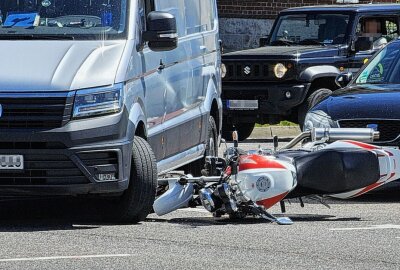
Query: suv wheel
(310, 102)
(137, 201)
(244, 130)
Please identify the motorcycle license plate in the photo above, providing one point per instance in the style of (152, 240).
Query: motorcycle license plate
(242, 104)
(11, 162)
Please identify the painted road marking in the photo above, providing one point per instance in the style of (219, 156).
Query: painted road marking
(64, 257)
(372, 227)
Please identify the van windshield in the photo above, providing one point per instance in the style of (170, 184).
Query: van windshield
(310, 29)
(63, 19)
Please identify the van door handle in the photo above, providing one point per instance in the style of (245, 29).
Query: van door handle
(161, 66)
(203, 48)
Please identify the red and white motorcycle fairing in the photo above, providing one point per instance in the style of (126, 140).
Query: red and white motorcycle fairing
(267, 180)
(389, 160)
(264, 179)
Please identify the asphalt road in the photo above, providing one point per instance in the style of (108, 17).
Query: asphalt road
(58, 234)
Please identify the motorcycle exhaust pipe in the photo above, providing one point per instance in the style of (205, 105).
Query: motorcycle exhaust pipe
(367, 135)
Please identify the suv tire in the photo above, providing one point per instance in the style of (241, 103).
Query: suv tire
(310, 102)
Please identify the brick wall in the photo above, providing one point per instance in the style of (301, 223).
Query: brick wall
(243, 22)
(268, 9)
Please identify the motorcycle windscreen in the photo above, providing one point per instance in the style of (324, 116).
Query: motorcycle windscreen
(333, 171)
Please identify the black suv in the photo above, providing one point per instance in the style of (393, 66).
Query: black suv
(307, 48)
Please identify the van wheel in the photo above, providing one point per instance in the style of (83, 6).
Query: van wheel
(197, 166)
(212, 138)
(315, 97)
(137, 201)
(244, 130)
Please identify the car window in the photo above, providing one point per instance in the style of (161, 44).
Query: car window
(380, 69)
(72, 19)
(176, 8)
(376, 32)
(199, 16)
(311, 29)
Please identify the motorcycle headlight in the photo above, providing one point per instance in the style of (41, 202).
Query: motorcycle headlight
(318, 119)
(98, 101)
(280, 70)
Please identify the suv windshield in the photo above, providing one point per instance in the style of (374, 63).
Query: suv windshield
(63, 19)
(383, 69)
(310, 29)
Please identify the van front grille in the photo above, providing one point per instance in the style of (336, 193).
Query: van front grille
(44, 169)
(35, 111)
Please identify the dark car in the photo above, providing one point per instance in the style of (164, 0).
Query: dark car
(371, 99)
(306, 50)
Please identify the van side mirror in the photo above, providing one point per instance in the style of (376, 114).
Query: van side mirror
(343, 79)
(161, 31)
(264, 41)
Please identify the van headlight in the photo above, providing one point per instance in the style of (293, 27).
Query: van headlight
(98, 101)
(318, 119)
(280, 70)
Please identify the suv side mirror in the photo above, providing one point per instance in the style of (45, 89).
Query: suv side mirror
(161, 31)
(343, 79)
(264, 41)
(363, 44)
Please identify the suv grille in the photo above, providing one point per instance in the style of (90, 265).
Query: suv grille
(251, 71)
(45, 169)
(389, 129)
(35, 111)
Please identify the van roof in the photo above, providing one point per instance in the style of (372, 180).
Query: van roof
(346, 8)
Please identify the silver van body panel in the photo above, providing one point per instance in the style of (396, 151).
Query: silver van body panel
(58, 65)
(170, 92)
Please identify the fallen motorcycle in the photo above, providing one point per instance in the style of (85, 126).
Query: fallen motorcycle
(336, 163)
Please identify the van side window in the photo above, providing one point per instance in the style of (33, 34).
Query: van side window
(176, 8)
(199, 16)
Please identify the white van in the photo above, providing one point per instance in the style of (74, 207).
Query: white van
(97, 96)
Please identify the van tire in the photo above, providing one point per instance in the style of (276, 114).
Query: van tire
(195, 168)
(310, 102)
(136, 202)
(212, 138)
(244, 131)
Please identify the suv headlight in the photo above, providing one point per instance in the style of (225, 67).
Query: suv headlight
(318, 119)
(98, 101)
(223, 70)
(280, 70)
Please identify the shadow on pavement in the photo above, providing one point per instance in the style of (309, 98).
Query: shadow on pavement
(50, 214)
(210, 221)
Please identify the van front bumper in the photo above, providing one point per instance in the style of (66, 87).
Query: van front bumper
(89, 156)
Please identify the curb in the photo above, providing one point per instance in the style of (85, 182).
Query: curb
(267, 133)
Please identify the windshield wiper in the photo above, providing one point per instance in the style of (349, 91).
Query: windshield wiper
(282, 41)
(35, 37)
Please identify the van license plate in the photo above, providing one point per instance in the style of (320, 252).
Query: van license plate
(243, 104)
(11, 162)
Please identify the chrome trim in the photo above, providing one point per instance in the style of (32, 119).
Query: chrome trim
(181, 159)
(65, 94)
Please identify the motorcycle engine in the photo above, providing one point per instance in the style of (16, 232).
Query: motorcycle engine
(218, 198)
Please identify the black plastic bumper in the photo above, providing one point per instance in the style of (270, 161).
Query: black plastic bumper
(68, 160)
(273, 99)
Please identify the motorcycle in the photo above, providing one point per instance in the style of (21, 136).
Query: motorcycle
(338, 163)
